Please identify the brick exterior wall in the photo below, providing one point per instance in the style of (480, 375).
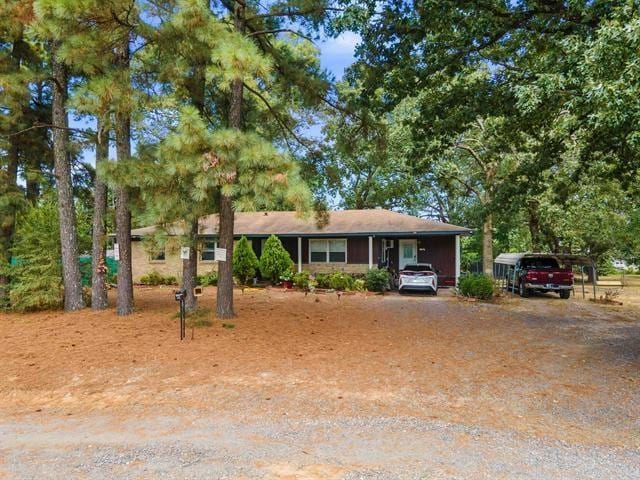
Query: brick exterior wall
(171, 265)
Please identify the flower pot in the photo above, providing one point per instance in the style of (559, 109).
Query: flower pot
(288, 284)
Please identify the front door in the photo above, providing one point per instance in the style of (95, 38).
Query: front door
(408, 252)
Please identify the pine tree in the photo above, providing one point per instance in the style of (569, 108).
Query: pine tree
(98, 247)
(66, 209)
(293, 71)
(37, 275)
(94, 41)
(245, 262)
(24, 149)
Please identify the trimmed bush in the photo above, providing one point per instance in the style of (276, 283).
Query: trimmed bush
(245, 262)
(477, 285)
(377, 280)
(341, 281)
(275, 260)
(208, 279)
(155, 278)
(301, 280)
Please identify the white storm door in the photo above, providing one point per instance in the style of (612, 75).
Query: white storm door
(408, 252)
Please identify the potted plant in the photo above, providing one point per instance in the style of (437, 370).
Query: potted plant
(286, 279)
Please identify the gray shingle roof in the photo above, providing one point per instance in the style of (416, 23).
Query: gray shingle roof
(341, 222)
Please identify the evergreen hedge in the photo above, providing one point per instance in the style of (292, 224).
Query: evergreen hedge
(274, 260)
(245, 262)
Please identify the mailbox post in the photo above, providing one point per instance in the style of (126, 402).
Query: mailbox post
(180, 297)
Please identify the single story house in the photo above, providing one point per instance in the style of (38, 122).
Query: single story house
(352, 241)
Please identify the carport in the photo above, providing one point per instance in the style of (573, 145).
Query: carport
(504, 267)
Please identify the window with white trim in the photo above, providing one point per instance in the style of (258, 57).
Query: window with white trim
(208, 253)
(332, 250)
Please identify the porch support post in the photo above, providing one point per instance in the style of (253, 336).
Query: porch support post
(457, 258)
(299, 254)
(370, 252)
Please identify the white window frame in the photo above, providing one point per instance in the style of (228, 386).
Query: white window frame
(215, 245)
(327, 253)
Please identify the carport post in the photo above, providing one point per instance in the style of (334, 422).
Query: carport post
(513, 284)
(370, 252)
(299, 254)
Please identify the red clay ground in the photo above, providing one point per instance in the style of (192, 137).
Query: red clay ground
(540, 368)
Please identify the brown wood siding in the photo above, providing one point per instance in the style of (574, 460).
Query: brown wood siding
(439, 252)
(358, 250)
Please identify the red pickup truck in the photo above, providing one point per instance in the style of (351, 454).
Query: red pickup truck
(543, 274)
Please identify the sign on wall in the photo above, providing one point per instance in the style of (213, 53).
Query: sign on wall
(116, 252)
(184, 253)
(220, 255)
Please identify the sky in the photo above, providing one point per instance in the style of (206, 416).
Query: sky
(338, 53)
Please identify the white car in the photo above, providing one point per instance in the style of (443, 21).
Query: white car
(418, 277)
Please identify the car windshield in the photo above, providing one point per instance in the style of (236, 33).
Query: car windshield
(426, 267)
(540, 263)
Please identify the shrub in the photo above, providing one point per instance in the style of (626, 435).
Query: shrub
(275, 260)
(245, 262)
(36, 273)
(359, 284)
(155, 278)
(301, 280)
(208, 279)
(377, 280)
(336, 281)
(477, 286)
(340, 281)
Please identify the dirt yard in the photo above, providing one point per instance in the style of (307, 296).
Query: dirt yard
(321, 386)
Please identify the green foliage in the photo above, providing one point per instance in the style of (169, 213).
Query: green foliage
(37, 273)
(245, 262)
(209, 279)
(274, 260)
(155, 278)
(301, 280)
(340, 281)
(377, 280)
(478, 286)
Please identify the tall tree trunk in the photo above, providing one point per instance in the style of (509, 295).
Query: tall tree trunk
(98, 266)
(66, 209)
(190, 268)
(534, 226)
(124, 303)
(224, 301)
(487, 245)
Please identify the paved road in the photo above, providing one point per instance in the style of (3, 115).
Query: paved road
(216, 446)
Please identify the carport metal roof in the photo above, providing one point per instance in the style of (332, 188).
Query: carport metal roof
(564, 258)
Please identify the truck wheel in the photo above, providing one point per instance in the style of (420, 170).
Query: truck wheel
(524, 292)
(565, 294)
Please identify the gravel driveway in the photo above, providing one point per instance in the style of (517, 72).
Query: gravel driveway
(350, 448)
